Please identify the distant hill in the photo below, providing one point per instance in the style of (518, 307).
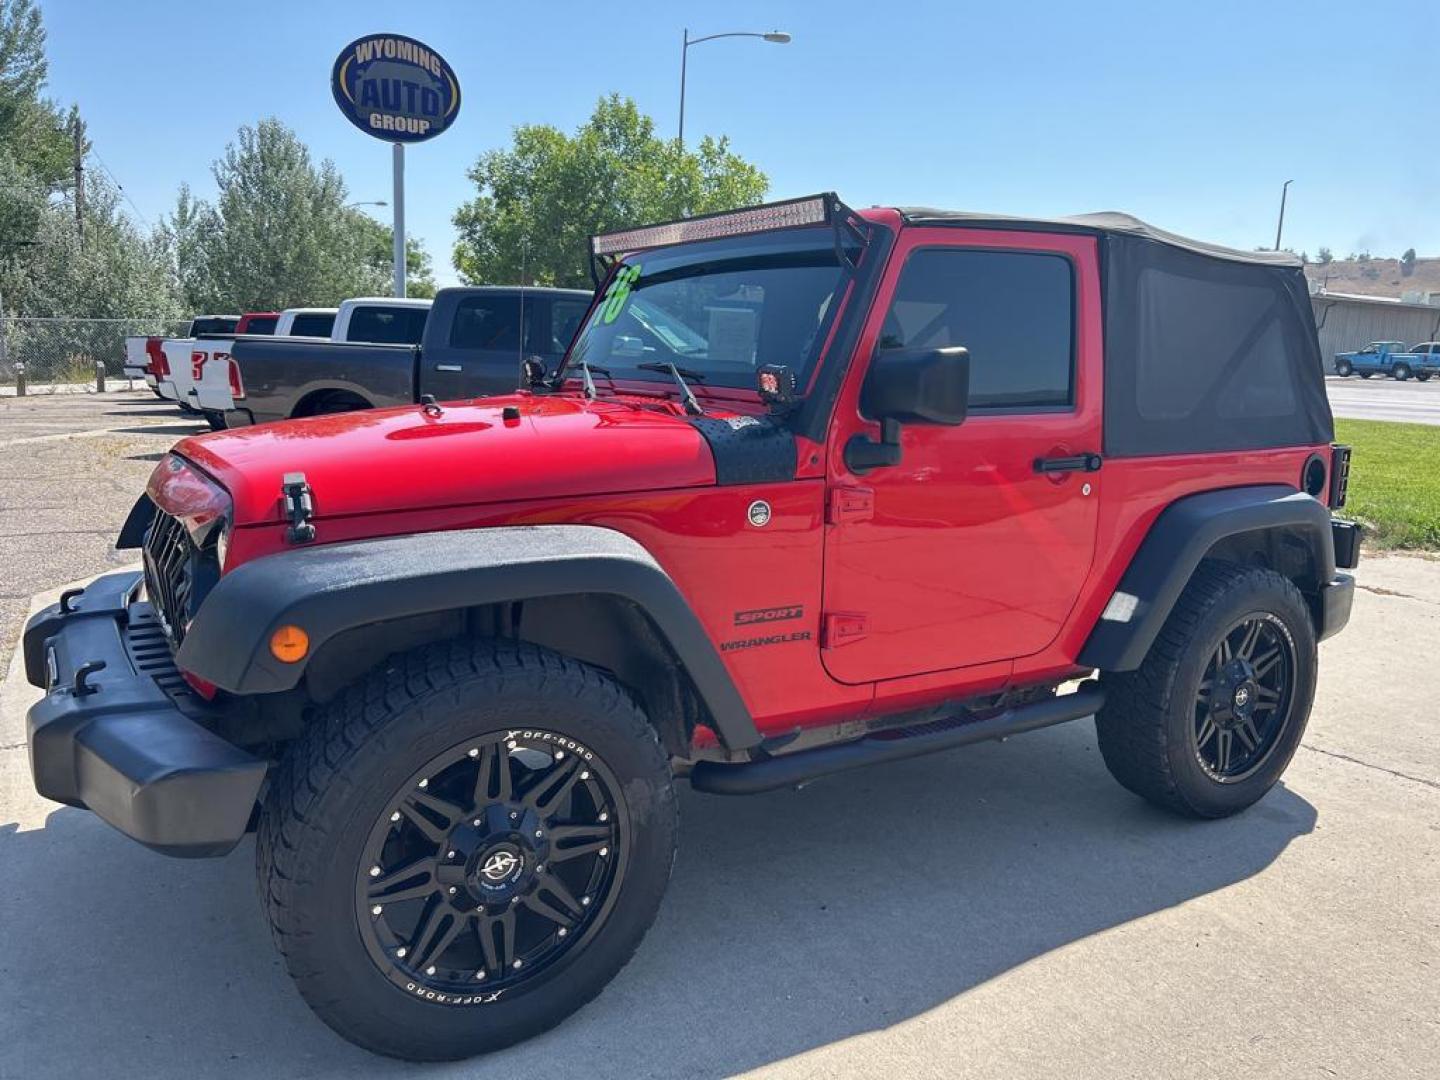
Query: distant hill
(1376, 277)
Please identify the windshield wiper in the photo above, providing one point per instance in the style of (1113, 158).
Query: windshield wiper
(692, 406)
(586, 381)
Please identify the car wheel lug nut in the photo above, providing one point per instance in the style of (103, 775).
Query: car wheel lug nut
(518, 964)
(452, 890)
(563, 931)
(400, 952)
(374, 871)
(376, 910)
(424, 783)
(430, 970)
(473, 752)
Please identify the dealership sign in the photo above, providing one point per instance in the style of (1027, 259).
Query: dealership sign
(395, 88)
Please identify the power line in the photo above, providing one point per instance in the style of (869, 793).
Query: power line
(119, 187)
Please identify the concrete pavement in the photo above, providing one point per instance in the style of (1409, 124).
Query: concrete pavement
(1005, 910)
(1379, 398)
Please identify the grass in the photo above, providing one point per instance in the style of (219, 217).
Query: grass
(1394, 482)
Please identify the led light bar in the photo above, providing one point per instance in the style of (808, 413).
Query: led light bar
(790, 214)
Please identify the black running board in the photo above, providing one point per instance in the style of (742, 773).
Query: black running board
(768, 773)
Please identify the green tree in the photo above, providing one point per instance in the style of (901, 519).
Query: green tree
(1326, 257)
(280, 233)
(538, 202)
(380, 240)
(1407, 262)
(35, 144)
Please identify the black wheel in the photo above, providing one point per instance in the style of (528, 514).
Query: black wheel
(215, 419)
(1422, 376)
(1211, 718)
(1343, 369)
(466, 847)
(1401, 372)
(1366, 374)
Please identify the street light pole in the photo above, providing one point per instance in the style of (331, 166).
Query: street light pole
(776, 37)
(1280, 225)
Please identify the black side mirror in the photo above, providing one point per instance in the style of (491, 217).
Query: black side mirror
(532, 371)
(909, 386)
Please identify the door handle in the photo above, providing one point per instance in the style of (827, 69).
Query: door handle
(1078, 463)
(449, 367)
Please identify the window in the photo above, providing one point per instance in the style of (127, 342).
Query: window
(313, 324)
(387, 325)
(492, 322)
(719, 308)
(265, 325)
(1013, 311)
(219, 324)
(565, 316)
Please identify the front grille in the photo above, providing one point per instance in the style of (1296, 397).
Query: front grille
(170, 573)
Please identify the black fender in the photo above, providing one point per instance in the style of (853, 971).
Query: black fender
(137, 523)
(1181, 536)
(328, 589)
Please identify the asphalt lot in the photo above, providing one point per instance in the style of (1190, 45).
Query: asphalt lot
(1005, 910)
(1379, 398)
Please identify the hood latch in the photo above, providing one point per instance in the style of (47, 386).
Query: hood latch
(299, 508)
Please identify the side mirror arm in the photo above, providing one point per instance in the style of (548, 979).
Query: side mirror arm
(863, 453)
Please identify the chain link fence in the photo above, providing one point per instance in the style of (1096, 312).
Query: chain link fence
(64, 351)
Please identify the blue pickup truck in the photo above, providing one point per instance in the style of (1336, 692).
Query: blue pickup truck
(1391, 358)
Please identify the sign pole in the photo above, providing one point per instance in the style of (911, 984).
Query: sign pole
(399, 228)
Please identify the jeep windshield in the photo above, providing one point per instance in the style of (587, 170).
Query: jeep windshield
(716, 309)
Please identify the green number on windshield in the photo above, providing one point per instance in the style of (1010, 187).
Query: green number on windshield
(619, 292)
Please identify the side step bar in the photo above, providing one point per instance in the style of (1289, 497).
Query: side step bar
(768, 773)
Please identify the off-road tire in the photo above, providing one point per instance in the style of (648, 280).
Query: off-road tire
(1343, 369)
(1144, 726)
(1422, 376)
(1400, 372)
(1366, 374)
(333, 782)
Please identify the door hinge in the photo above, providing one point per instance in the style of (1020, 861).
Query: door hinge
(842, 628)
(850, 504)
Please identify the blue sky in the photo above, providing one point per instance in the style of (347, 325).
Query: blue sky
(1189, 115)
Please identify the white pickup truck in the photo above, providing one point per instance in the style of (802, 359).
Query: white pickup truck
(218, 380)
(143, 359)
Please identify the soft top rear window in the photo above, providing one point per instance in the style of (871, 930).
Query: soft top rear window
(1207, 354)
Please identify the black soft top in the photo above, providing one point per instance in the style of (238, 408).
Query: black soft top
(1111, 222)
(1206, 348)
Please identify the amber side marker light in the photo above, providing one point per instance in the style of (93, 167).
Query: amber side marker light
(289, 644)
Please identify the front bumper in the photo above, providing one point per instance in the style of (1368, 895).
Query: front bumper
(117, 733)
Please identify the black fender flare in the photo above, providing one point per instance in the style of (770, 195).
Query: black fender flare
(330, 588)
(1181, 536)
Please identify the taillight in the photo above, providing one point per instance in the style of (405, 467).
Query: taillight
(159, 365)
(1339, 474)
(237, 385)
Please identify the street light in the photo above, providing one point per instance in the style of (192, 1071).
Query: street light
(377, 202)
(1281, 223)
(777, 37)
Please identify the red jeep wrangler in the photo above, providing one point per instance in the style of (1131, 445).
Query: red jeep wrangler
(813, 488)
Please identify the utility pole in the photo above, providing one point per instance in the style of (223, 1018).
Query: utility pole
(1280, 225)
(79, 176)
